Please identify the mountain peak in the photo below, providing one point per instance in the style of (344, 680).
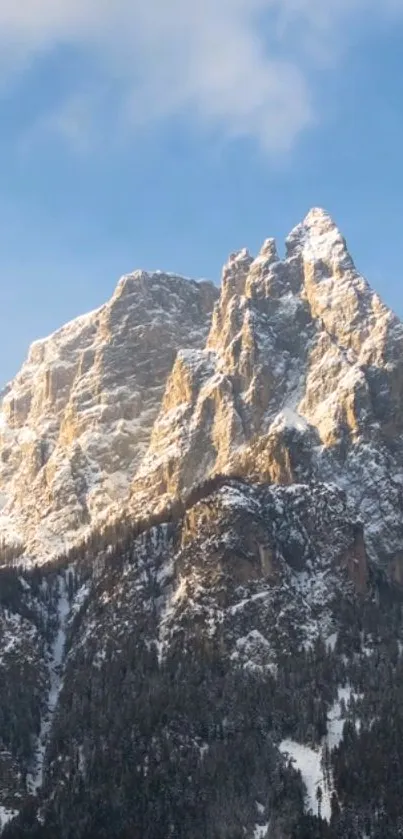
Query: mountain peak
(101, 413)
(268, 250)
(319, 218)
(75, 422)
(239, 256)
(318, 239)
(235, 272)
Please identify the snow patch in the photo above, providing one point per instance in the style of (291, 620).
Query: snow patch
(56, 684)
(309, 762)
(260, 831)
(288, 418)
(335, 721)
(6, 815)
(332, 641)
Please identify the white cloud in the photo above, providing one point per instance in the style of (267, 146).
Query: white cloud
(243, 67)
(73, 120)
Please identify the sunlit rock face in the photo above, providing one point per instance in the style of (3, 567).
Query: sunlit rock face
(76, 420)
(301, 379)
(291, 373)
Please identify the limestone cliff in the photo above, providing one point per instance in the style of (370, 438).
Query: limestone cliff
(76, 420)
(301, 379)
(294, 374)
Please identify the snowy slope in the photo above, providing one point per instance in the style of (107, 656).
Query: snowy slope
(310, 762)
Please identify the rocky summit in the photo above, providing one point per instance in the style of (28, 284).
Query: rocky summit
(292, 372)
(201, 559)
(301, 379)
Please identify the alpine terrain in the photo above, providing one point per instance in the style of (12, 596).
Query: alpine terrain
(201, 559)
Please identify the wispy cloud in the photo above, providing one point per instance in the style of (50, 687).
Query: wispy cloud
(244, 67)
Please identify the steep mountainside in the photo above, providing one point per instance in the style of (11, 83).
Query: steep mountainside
(76, 421)
(189, 663)
(301, 379)
(201, 560)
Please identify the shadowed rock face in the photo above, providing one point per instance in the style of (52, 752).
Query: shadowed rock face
(264, 533)
(292, 373)
(144, 639)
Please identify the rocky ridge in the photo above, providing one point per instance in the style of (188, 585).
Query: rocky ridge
(76, 421)
(298, 376)
(301, 379)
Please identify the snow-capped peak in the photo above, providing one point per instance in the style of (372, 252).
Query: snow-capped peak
(268, 250)
(318, 239)
(319, 218)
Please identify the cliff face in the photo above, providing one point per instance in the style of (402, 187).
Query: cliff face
(76, 421)
(293, 372)
(301, 379)
(215, 479)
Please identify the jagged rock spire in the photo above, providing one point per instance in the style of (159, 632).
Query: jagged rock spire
(318, 239)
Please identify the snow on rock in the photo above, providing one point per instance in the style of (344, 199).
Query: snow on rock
(331, 641)
(298, 381)
(289, 418)
(76, 420)
(318, 239)
(295, 374)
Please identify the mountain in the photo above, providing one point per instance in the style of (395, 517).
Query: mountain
(201, 622)
(293, 372)
(76, 420)
(205, 674)
(301, 379)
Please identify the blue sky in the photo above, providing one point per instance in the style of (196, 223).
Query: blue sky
(157, 135)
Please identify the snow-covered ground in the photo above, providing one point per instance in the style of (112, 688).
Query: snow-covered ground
(6, 815)
(335, 722)
(261, 831)
(56, 683)
(310, 761)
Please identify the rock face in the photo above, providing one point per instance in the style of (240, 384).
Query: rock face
(226, 472)
(294, 374)
(76, 421)
(301, 379)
